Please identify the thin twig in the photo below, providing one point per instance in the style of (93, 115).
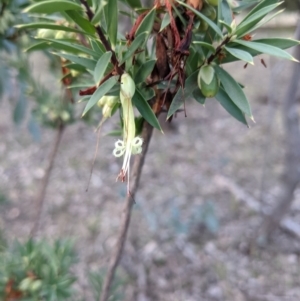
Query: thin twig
(135, 178)
(41, 195)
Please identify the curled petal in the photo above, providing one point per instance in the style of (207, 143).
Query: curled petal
(137, 141)
(119, 144)
(118, 152)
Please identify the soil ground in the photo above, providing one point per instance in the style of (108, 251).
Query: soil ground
(189, 238)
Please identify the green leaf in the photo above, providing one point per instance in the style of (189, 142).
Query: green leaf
(144, 71)
(145, 109)
(98, 14)
(240, 54)
(227, 103)
(204, 18)
(111, 17)
(101, 91)
(147, 23)
(49, 26)
(178, 100)
(52, 6)
(206, 45)
(259, 6)
(81, 21)
(234, 91)
(165, 22)
(85, 62)
(134, 3)
(278, 42)
(72, 47)
(249, 22)
(267, 49)
(101, 66)
(37, 46)
(226, 12)
(138, 42)
(198, 96)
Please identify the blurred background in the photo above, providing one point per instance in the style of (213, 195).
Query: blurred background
(208, 222)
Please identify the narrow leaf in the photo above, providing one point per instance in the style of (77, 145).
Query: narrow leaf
(165, 22)
(147, 23)
(182, 94)
(101, 66)
(83, 61)
(234, 91)
(138, 41)
(206, 45)
(101, 91)
(144, 71)
(48, 25)
(145, 109)
(111, 17)
(82, 22)
(52, 6)
(99, 11)
(224, 99)
(278, 42)
(268, 49)
(240, 54)
(72, 47)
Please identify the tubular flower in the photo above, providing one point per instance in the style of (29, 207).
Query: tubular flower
(130, 144)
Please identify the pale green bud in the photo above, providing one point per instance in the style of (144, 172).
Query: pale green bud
(127, 86)
(25, 284)
(35, 285)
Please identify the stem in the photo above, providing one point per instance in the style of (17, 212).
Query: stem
(218, 50)
(135, 176)
(41, 195)
(102, 37)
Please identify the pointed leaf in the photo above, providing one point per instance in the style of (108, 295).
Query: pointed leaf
(147, 23)
(178, 100)
(198, 96)
(99, 11)
(101, 66)
(83, 61)
(223, 98)
(48, 25)
(248, 23)
(72, 47)
(267, 49)
(165, 22)
(144, 71)
(278, 42)
(206, 45)
(82, 22)
(138, 42)
(111, 17)
(101, 91)
(145, 109)
(234, 91)
(240, 54)
(52, 6)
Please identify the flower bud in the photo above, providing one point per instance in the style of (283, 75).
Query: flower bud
(127, 86)
(102, 101)
(208, 81)
(35, 285)
(25, 284)
(106, 111)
